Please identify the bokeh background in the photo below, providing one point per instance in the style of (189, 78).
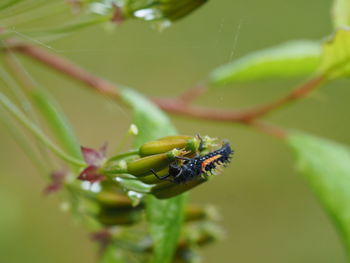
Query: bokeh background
(268, 211)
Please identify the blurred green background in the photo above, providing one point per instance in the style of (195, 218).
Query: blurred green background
(268, 211)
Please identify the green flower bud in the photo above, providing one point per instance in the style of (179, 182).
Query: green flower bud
(110, 217)
(112, 199)
(184, 137)
(161, 146)
(168, 189)
(188, 143)
(201, 238)
(151, 179)
(195, 213)
(142, 166)
(117, 209)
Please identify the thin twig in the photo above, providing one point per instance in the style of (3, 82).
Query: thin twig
(179, 105)
(17, 69)
(191, 94)
(269, 128)
(298, 93)
(68, 68)
(172, 105)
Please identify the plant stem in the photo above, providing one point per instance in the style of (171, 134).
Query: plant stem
(68, 68)
(10, 107)
(46, 105)
(179, 105)
(123, 155)
(24, 144)
(298, 93)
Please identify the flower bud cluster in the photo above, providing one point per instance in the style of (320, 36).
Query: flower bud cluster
(152, 161)
(111, 186)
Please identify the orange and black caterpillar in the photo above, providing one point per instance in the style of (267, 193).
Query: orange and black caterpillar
(194, 167)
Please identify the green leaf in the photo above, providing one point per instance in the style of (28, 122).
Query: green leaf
(151, 122)
(335, 60)
(326, 166)
(291, 59)
(57, 122)
(341, 13)
(112, 255)
(9, 3)
(165, 216)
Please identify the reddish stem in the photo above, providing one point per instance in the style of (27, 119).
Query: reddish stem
(175, 105)
(64, 66)
(298, 93)
(192, 93)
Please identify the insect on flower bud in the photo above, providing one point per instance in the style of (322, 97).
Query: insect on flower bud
(150, 178)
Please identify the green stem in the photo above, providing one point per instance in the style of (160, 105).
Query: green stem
(114, 172)
(21, 140)
(10, 107)
(26, 106)
(123, 155)
(46, 105)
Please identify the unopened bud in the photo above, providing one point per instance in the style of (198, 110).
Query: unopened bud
(150, 178)
(143, 165)
(169, 189)
(168, 143)
(112, 199)
(194, 213)
(119, 217)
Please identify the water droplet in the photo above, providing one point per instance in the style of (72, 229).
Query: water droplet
(148, 14)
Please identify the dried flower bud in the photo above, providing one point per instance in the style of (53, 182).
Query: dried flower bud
(57, 182)
(94, 159)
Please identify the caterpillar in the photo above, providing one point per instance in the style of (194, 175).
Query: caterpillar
(193, 167)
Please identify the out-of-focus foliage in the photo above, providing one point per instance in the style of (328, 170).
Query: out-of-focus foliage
(292, 59)
(51, 19)
(341, 13)
(336, 55)
(165, 216)
(326, 166)
(152, 10)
